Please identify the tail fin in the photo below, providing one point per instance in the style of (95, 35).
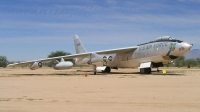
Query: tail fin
(78, 45)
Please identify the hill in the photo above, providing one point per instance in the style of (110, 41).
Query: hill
(193, 54)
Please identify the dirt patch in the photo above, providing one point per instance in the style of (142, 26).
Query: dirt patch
(23, 90)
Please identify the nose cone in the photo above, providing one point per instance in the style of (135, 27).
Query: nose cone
(183, 48)
(187, 46)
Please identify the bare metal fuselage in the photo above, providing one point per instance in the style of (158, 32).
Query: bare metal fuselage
(152, 52)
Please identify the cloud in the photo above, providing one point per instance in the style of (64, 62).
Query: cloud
(166, 20)
(109, 20)
(89, 14)
(32, 40)
(112, 2)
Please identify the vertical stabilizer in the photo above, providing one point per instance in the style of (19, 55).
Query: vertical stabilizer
(78, 45)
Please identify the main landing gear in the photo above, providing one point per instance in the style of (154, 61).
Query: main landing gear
(106, 70)
(145, 70)
(95, 69)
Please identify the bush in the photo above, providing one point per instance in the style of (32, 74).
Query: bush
(3, 61)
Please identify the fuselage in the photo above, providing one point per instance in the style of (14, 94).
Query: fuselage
(157, 52)
(161, 51)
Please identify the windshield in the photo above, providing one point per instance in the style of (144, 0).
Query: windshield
(167, 38)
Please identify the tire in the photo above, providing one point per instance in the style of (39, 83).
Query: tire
(142, 70)
(148, 70)
(107, 70)
(145, 70)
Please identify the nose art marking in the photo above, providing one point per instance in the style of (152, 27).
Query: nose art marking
(172, 47)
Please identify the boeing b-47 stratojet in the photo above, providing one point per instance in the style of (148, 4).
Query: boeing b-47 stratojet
(145, 56)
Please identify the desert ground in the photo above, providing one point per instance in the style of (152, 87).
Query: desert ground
(77, 90)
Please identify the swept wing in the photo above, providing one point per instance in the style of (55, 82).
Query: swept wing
(81, 55)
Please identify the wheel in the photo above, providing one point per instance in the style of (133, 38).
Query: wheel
(95, 73)
(145, 70)
(148, 70)
(142, 70)
(107, 70)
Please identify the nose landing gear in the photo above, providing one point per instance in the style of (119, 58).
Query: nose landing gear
(145, 70)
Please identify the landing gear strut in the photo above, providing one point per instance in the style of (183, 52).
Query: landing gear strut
(95, 69)
(145, 70)
(158, 70)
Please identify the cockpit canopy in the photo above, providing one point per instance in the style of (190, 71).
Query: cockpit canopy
(167, 38)
(164, 39)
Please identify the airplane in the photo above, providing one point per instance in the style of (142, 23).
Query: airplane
(153, 54)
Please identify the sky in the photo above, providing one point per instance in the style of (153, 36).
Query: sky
(32, 29)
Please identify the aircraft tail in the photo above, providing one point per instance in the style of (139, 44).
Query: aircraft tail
(78, 45)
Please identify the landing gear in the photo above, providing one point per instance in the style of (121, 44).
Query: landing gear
(107, 70)
(158, 70)
(95, 69)
(145, 70)
(104, 69)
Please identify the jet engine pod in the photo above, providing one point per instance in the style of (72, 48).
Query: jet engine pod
(63, 65)
(36, 65)
(107, 58)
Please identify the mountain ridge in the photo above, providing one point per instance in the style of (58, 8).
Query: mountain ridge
(193, 54)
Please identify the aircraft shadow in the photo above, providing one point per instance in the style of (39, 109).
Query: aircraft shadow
(89, 72)
(154, 72)
(172, 74)
(138, 73)
(27, 74)
(58, 74)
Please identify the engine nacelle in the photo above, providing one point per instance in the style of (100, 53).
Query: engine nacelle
(63, 65)
(36, 65)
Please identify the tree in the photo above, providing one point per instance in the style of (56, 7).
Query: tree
(191, 63)
(198, 62)
(3, 61)
(180, 61)
(57, 54)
